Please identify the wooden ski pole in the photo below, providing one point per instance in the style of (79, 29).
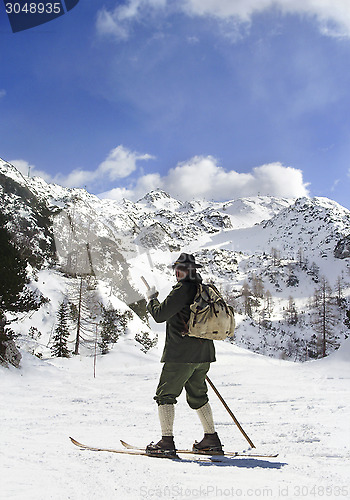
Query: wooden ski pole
(145, 282)
(251, 444)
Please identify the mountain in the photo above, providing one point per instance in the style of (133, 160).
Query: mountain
(269, 256)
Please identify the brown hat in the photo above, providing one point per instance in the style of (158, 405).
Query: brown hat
(186, 260)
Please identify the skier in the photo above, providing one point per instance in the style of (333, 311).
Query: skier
(186, 361)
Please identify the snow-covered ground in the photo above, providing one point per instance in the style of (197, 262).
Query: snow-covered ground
(301, 411)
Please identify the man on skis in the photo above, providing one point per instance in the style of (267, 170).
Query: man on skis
(186, 361)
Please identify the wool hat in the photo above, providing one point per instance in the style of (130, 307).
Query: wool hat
(186, 260)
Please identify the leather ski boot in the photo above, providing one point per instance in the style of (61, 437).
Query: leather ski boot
(164, 448)
(210, 445)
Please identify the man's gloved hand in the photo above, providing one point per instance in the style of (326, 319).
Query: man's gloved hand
(152, 293)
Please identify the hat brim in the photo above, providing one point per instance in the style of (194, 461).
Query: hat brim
(185, 264)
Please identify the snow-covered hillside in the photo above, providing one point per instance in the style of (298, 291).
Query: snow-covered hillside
(269, 256)
(300, 411)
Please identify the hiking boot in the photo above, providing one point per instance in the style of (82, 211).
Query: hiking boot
(164, 448)
(210, 445)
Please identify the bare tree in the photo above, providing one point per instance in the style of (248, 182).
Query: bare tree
(324, 316)
(339, 290)
(291, 312)
(276, 256)
(268, 303)
(257, 286)
(247, 299)
(85, 309)
(300, 257)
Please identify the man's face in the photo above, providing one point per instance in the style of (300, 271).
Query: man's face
(180, 272)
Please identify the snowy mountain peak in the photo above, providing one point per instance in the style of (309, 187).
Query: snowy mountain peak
(314, 224)
(160, 199)
(11, 171)
(246, 212)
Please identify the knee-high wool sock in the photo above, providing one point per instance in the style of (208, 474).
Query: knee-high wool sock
(166, 418)
(206, 417)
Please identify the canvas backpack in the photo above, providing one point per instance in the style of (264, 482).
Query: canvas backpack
(210, 316)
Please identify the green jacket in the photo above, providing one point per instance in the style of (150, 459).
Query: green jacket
(175, 310)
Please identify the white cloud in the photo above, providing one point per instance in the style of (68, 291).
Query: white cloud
(143, 185)
(76, 178)
(27, 169)
(120, 163)
(333, 16)
(108, 24)
(2, 93)
(335, 184)
(118, 22)
(202, 177)
(224, 9)
(118, 194)
(274, 178)
(199, 177)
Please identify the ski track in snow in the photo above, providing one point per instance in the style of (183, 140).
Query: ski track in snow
(301, 411)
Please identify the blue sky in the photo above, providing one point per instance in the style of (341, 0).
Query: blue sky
(202, 98)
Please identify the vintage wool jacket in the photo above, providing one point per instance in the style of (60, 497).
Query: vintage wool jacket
(175, 311)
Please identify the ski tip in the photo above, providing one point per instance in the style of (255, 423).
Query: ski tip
(127, 445)
(130, 446)
(74, 441)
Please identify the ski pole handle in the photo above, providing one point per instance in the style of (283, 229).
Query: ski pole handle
(145, 282)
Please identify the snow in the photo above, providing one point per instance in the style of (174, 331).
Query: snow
(299, 410)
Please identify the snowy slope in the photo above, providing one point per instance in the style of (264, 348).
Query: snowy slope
(300, 411)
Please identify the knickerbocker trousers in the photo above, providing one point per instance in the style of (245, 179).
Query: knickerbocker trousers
(176, 376)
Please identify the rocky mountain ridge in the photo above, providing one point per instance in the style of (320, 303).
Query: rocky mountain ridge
(71, 232)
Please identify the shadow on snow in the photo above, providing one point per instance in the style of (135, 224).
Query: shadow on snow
(243, 463)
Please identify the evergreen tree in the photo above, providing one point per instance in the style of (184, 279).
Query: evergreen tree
(13, 296)
(292, 279)
(347, 319)
(59, 348)
(146, 342)
(315, 272)
(114, 324)
(109, 331)
(13, 275)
